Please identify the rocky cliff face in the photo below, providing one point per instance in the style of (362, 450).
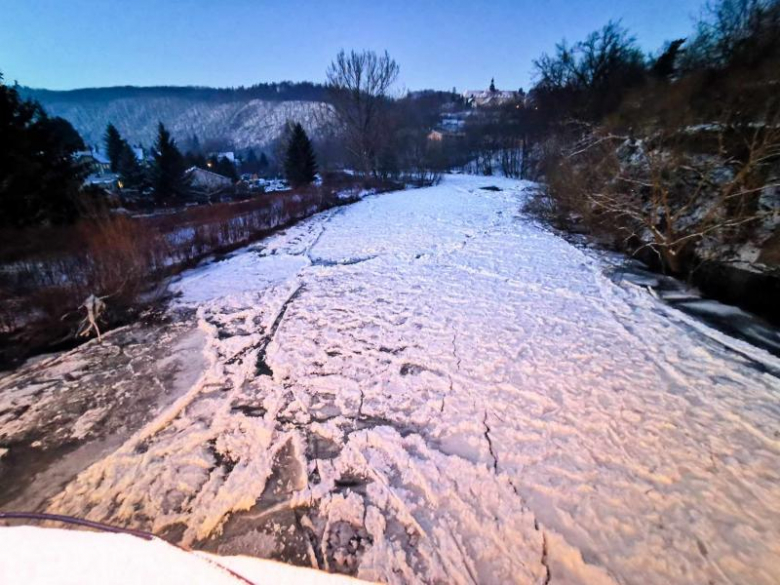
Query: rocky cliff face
(242, 123)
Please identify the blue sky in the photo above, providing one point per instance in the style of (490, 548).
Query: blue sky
(63, 44)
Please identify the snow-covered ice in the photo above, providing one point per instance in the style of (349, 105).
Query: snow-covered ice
(428, 386)
(36, 556)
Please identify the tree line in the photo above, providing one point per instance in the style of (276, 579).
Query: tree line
(676, 154)
(277, 91)
(590, 99)
(42, 181)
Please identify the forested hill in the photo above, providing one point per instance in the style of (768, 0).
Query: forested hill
(229, 118)
(281, 91)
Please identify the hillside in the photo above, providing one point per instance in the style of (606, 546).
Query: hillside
(242, 118)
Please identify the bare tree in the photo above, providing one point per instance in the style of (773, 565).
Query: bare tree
(588, 79)
(359, 83)
(743, 30)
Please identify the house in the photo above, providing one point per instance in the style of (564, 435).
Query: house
(98, 168)
(435, 136)
(230, 155)
(107, 181)
(97, 162)
(454, 122)
(206, 182)
(450, 126)
(491, 97)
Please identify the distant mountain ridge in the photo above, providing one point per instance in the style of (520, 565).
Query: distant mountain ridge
(238, 118)
(281, 91)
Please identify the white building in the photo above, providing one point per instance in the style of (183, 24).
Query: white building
(231, 156)
(491, 97)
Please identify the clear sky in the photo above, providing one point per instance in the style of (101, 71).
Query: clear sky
(64, 44)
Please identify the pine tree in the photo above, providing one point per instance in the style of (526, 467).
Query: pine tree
(492, 85)
(250, 163)
(71, 140)
(664, 66)
(40, 181)
(263, 164)
(300, 164)
(195, 159)
(226, 168)
(130, 171)
(114, 145)
(281, 144)
(168, 169)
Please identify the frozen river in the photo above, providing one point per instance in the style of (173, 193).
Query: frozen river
(425, 386)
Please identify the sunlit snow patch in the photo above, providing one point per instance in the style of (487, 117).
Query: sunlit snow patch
(42, 556)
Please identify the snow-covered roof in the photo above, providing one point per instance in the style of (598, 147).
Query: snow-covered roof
(230, 155)
(491, 97)
(101, 179)
(203, 178)
(95, 155)
(101, 157)
(486, 93)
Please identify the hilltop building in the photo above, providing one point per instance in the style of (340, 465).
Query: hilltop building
(491, 97)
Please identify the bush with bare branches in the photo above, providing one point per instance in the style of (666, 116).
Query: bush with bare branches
(661, 194)
(47, 273)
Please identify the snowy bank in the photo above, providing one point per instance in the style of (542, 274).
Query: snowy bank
(51, 556)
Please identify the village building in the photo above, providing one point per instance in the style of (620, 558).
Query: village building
(98, 167)
(229, 155)
(435, 136)
(96, 161)
(491, 97)
(206, 182)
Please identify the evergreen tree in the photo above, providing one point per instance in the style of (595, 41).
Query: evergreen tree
(40, 182)
(279, 147)
(226, 168)
(114, 145)
(195, 146)
(222, 166)
(300, 164)
(250, 165)
(195, 159)
(168, 169)
(262, 164)
(66, 134)
(492, 85)
(664, 66)
(130, 171)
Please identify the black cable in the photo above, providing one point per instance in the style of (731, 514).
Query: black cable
(77, 521)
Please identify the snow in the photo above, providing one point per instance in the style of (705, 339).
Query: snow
(429, 386)
(38, 556)
(239, 274)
